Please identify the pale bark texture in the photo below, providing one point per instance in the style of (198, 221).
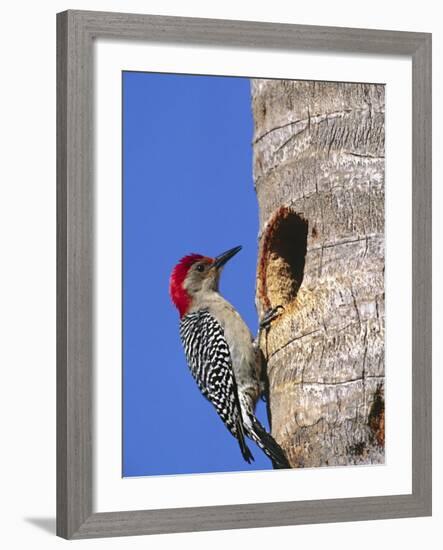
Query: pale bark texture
(319, 178)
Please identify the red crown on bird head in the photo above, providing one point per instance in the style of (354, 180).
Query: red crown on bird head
(178, 294)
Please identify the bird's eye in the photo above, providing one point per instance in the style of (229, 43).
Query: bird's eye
(200, 267)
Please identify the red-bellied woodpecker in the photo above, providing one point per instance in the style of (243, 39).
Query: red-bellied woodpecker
(220, 351)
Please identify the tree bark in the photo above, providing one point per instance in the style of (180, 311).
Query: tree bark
(319, 178)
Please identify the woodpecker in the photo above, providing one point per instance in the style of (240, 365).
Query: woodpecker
(220, 351)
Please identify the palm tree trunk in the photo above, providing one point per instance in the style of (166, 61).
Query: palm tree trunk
(319, 178)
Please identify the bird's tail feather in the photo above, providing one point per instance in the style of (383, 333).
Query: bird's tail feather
(245, 451)
(267, 443)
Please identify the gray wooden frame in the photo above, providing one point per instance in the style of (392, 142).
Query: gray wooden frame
(76, 31)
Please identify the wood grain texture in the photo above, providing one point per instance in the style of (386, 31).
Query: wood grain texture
(75, 265)
(422, 272)
(271, 514)
(76, 31)
(319, 153)
(194, 30)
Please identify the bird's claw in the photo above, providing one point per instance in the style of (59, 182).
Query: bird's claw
(270, 315)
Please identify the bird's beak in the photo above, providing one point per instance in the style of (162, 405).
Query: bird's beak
(223, 258)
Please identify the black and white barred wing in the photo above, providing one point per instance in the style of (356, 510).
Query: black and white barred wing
(209, 361)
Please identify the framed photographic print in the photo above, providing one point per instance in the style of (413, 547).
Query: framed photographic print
(244, 280)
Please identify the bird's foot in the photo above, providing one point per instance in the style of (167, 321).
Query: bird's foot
(270, 315)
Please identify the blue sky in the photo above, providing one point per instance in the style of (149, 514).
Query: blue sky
(187, 187)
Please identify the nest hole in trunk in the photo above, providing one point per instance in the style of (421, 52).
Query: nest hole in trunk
(282, 259)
